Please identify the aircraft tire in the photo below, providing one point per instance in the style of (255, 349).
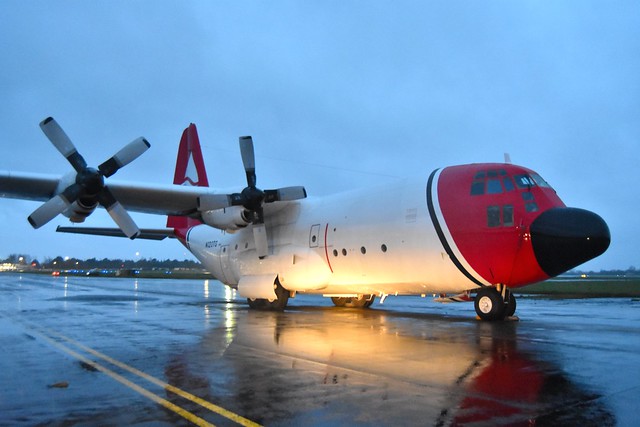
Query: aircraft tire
(362, 301)
(278, 304)
(489, 304)
(339, 301)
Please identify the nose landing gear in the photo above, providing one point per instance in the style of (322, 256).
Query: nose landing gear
(494, 303)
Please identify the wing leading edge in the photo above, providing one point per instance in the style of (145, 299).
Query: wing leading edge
(146, 198)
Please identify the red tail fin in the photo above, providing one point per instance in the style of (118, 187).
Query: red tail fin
(190, 170)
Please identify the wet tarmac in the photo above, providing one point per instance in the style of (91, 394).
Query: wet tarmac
(91, 351)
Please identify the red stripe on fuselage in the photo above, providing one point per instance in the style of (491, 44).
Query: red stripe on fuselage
(326, 247)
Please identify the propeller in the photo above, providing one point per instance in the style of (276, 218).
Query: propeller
(89, 188)
(251, 197)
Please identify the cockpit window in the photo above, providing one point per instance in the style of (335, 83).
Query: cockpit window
(538, 179)
(524, 181)
(497, 181)
(477, 188)
(494, 187)
(508, 184)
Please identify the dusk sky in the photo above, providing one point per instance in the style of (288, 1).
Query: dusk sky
(336, 95)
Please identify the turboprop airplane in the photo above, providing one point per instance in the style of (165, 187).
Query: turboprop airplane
(480, 229)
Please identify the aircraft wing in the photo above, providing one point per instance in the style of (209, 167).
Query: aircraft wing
(28, 186)
(147, 198)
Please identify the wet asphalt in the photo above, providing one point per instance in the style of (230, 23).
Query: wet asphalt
(95, 351)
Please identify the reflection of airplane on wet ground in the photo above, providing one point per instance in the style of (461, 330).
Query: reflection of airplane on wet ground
(483, 228)
(387, 372)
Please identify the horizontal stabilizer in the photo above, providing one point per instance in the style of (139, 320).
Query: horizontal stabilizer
(145, 233)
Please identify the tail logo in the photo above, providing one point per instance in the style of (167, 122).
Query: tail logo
(191, 173)
(190, 168)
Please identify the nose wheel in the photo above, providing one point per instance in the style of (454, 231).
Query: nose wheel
(490, 304)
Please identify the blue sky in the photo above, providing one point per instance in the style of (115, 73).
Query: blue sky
(335, 94)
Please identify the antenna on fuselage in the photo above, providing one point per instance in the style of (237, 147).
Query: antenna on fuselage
(507, 158)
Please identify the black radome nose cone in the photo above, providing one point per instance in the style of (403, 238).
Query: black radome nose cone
(564, 238)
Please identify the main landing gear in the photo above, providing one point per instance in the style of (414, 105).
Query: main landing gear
(361, 301)
(495, 303)
(278, 304)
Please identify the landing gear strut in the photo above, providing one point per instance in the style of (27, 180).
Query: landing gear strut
(361, 301)
(278, 304)
(490, 304)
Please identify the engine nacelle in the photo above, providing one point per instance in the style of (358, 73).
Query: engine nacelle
(79, 211)
(229, 219)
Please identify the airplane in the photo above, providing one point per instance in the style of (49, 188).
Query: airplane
(467, 232)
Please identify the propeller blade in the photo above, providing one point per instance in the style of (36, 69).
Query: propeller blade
(124, 221)
(212, 202)
(54, 206)
(119, 214)
(260, 238)
(248, 159)
(126, 155)
(63, 144)
(285, 194)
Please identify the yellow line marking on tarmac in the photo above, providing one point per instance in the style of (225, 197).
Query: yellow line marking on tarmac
(154, 397)
(193, 398)
(44, 332)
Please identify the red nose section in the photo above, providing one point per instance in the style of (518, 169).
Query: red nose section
(486, 216)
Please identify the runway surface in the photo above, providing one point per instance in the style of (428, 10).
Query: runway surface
(91, 351)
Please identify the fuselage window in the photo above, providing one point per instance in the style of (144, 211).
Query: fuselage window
(531, 207)
(494, 186)
(507, 215)
(527, 195)
(493, 216)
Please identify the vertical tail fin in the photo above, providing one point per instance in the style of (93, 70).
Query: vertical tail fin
(190, 170)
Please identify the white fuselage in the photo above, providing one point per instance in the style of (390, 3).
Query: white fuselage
(379, 241)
